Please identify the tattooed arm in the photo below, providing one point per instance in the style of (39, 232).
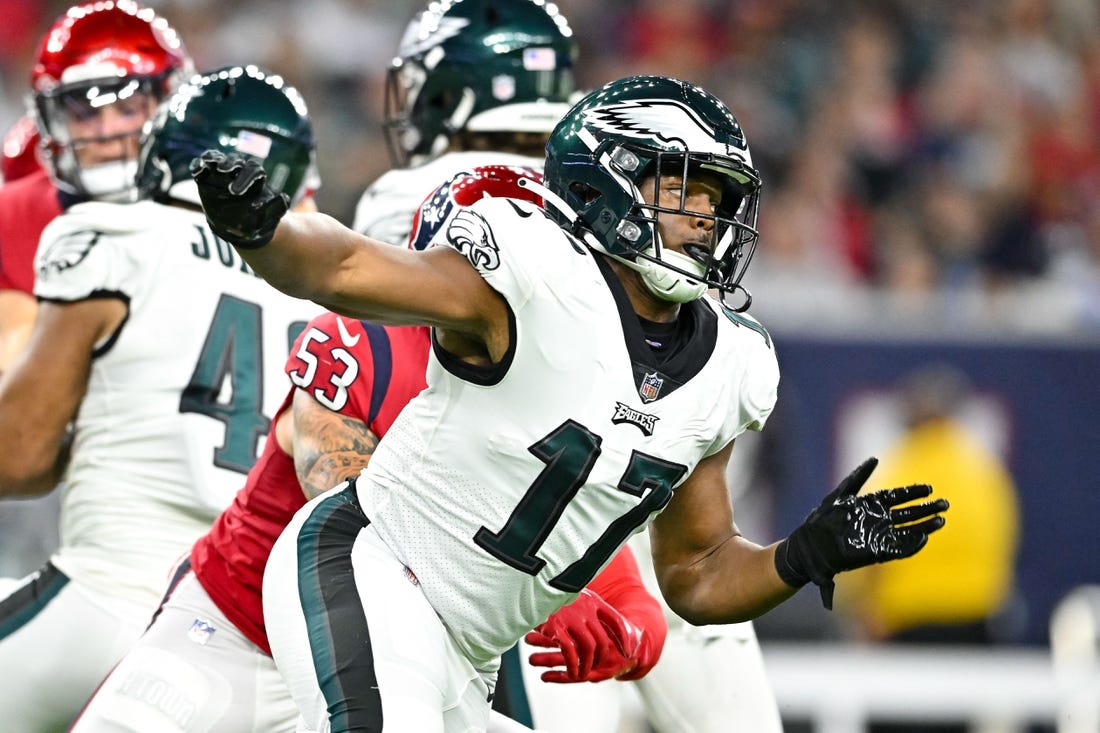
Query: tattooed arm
(329, 447)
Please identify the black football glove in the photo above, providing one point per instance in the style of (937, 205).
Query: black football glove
(849, 531)
(239, 206)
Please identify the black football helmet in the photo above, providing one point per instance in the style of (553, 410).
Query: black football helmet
(642, 126)
(477, 66)
(241, 109)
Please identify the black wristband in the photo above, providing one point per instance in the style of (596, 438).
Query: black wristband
(794, 562)
(786, 566)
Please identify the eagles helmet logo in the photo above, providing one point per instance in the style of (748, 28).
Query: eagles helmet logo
(67, 252)
(432, 30)
(649, 120)
(470, 234)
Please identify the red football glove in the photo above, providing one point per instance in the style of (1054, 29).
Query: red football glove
(593, 642)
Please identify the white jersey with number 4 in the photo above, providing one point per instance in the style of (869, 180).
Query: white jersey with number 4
(179, 398)
(520, 481)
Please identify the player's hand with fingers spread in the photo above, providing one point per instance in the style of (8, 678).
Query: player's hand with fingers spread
(849, 530)
(239, 205)
(592, 642)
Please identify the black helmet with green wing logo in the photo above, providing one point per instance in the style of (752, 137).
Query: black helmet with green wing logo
(644, 128)
(241, 109)
(502, 67)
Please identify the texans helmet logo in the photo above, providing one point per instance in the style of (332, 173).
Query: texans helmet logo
(466, 188)
(429, 218)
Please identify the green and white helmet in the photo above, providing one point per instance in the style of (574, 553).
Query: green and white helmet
(241, 109)
(477, 66)
(642, 126)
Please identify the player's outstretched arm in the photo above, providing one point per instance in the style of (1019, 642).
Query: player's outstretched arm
(710, 574)
(313, 256)
(614, 629)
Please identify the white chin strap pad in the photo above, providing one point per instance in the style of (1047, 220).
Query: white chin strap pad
(110, 181)
(667, 284)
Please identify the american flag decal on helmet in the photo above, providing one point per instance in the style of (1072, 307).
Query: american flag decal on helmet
(539, 59)
(650, 388)
(254, 143)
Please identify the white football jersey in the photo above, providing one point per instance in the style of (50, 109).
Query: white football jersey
(385, 210)
(522, 480)
(179, 399)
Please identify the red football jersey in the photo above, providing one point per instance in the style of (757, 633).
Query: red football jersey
(357, 368)
(27, 205)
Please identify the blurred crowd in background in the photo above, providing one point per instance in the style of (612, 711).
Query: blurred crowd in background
(931, 172)
(925, 161)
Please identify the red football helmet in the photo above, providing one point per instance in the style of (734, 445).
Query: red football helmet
(20, 145)
(462, 190)
(113, 54)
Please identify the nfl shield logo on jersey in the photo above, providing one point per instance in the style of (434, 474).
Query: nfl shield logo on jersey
(201, 631)
(651, 387)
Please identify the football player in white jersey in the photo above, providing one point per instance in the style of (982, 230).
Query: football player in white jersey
(207, 644)
(120, 57)
(478, 82)
(164, 351)
(465, 91)
(60, 159)
(580, 389)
